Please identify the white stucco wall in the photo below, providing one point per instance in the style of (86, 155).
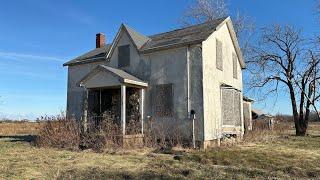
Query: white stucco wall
(213, 78)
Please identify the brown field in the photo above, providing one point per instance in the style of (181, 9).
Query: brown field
(19, 128)
(263, 155)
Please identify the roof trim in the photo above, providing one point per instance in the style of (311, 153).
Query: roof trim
(235, 42)
(247, 99)
(124, 28)
(176, 45)
(85, 61)
(122, 79)
(114, 42)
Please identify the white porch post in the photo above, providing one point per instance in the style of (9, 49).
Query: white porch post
(141, 108)
(123, 109)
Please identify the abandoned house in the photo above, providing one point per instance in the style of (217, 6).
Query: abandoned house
(169, 75)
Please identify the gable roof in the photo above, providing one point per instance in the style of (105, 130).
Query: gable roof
(124, 76)
(138, 39)
(96, 54)
(145, 44)
(192, 34)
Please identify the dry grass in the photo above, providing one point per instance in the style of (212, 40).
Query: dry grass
(282, 156)
(19, 128)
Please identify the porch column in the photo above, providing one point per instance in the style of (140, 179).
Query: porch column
(141, 108)
(123, 109)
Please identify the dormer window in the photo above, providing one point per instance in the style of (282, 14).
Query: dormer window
(124, 56)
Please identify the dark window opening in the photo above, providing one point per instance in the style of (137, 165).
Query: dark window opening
(124, 56)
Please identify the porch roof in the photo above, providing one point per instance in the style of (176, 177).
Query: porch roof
(105, 76)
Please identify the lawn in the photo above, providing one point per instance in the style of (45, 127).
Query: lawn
(282, 157)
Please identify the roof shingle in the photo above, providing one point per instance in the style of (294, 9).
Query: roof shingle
(191, 34)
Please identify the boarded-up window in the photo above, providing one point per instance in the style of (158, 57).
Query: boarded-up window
(235, 65)
(124, 56)
(219, 62)
(231, 107)
(164, 100)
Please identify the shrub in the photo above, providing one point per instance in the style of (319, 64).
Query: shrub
(165, 136)
(59, 132)
(103, 135)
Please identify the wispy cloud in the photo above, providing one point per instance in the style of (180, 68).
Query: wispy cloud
(21, 56)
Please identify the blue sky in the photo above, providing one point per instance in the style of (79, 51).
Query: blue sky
(37, 36)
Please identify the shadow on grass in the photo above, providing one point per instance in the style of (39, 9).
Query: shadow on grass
(20, 138)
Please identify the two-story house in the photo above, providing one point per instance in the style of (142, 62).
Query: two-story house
(197, 68)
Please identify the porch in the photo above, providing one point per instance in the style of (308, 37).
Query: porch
(114, 94)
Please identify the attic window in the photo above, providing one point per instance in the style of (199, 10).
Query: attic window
(219, 62)
(164, 100)
(124, 56)
(235, 67)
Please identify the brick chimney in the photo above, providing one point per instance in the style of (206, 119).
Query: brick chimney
(100, 40)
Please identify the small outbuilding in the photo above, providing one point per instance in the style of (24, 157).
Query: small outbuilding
(247, 113)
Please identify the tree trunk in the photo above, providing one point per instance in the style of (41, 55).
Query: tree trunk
(298, 120)
(301, 128)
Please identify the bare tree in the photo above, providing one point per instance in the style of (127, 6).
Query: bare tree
(204, 10)
(285, 60)
(207, 10)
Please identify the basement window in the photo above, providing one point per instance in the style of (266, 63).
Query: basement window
(124, 56)
(164, 100)
(235, 67)
(219, 62)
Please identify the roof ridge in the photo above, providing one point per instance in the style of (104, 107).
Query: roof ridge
(207, 22)
(135, 31)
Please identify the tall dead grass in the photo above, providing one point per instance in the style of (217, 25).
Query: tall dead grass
(9, 128)
(262, 133)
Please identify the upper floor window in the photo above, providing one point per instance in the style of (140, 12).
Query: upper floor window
(219, 62)
(164, 100)
(124, 56)
(235, 65)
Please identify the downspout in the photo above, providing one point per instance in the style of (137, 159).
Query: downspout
(188, 81)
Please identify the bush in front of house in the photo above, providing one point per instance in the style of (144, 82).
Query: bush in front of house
(106, 134)
(59, 132)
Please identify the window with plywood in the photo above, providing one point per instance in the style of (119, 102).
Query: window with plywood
(231, 107)
(219, 55)
(235, 65)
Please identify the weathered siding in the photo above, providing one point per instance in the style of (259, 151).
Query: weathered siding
(196, 89)
(214, 78)
(75, 93)
(168, 67)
